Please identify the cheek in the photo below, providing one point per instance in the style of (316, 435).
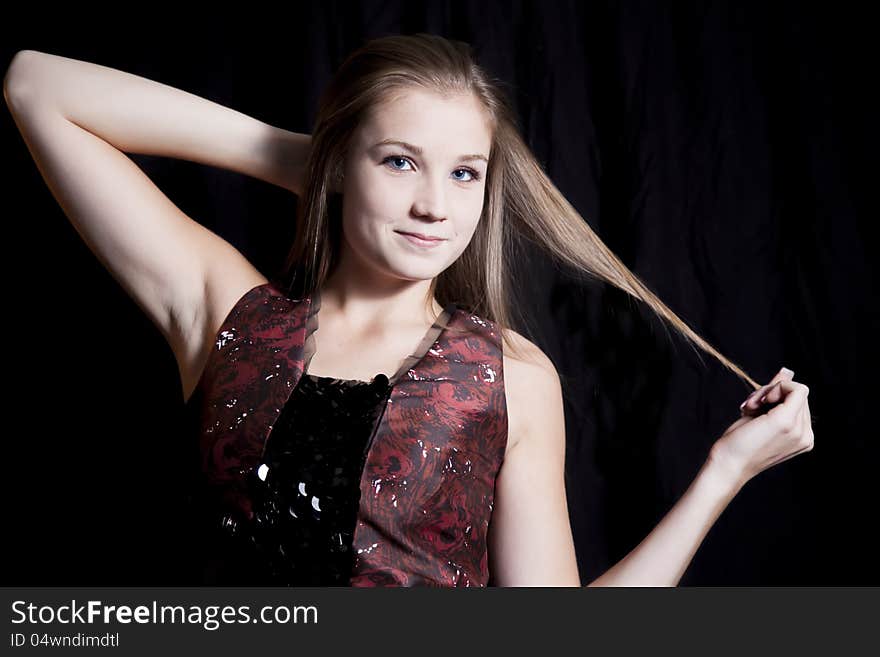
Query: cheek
(467, 230)
(464, 234)
(365, 227)
(376, 202)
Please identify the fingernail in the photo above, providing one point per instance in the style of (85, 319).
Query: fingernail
(787, 371)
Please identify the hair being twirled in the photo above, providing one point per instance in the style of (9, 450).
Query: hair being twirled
(521, 203)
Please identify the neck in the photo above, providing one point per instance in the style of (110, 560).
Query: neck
(363, 299)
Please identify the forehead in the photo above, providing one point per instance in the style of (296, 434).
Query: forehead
(440, 124)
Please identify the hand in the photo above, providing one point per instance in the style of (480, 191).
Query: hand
(775, 426)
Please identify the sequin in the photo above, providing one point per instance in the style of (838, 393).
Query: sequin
(305, 492)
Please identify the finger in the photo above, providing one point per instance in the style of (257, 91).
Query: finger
(793, 395)
(808, 421)
(756, 403)
(784, 374)
(787, 373)
(804, 419)
(805, 448)
(753, 402)
(774, 395)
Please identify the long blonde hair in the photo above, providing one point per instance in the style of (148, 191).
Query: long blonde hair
(521, 203)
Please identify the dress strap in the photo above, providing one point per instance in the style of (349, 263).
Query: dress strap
(311, 326)
(427, 342)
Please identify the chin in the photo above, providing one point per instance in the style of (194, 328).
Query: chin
(415, 271)
(422, 275)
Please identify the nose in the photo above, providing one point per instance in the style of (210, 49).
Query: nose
(430, 200)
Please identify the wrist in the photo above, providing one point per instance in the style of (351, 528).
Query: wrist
(725, 469)
(291, 157)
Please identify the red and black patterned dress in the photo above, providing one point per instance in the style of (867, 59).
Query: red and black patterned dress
(313, 481)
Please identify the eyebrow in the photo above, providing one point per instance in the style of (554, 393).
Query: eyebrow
(419, 151)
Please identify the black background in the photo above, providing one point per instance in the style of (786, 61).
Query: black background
(719, 148)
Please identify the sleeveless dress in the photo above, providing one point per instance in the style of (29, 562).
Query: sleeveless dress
(347, 482)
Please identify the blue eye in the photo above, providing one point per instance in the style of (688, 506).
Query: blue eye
(475, 175)
(394, 157)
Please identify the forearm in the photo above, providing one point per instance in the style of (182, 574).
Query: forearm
(139, 115)
(663, 556)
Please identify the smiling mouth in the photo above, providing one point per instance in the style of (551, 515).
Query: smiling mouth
(421, 241)
(422, 236)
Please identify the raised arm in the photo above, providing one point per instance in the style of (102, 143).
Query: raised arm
(78, 119)
(138, 115)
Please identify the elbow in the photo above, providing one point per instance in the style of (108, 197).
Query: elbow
(14, 78)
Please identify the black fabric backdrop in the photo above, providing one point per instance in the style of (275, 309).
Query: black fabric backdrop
(719, 148)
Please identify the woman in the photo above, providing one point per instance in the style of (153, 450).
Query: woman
(320, 468)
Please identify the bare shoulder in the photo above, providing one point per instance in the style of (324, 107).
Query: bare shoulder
(228, 276)
(531, 385)
(531, 367)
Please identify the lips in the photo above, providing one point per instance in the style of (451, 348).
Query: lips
(429, 238)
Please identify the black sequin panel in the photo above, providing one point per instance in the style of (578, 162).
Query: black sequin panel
(306, 491)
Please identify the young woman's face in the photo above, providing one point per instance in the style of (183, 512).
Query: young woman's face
(391, 189)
